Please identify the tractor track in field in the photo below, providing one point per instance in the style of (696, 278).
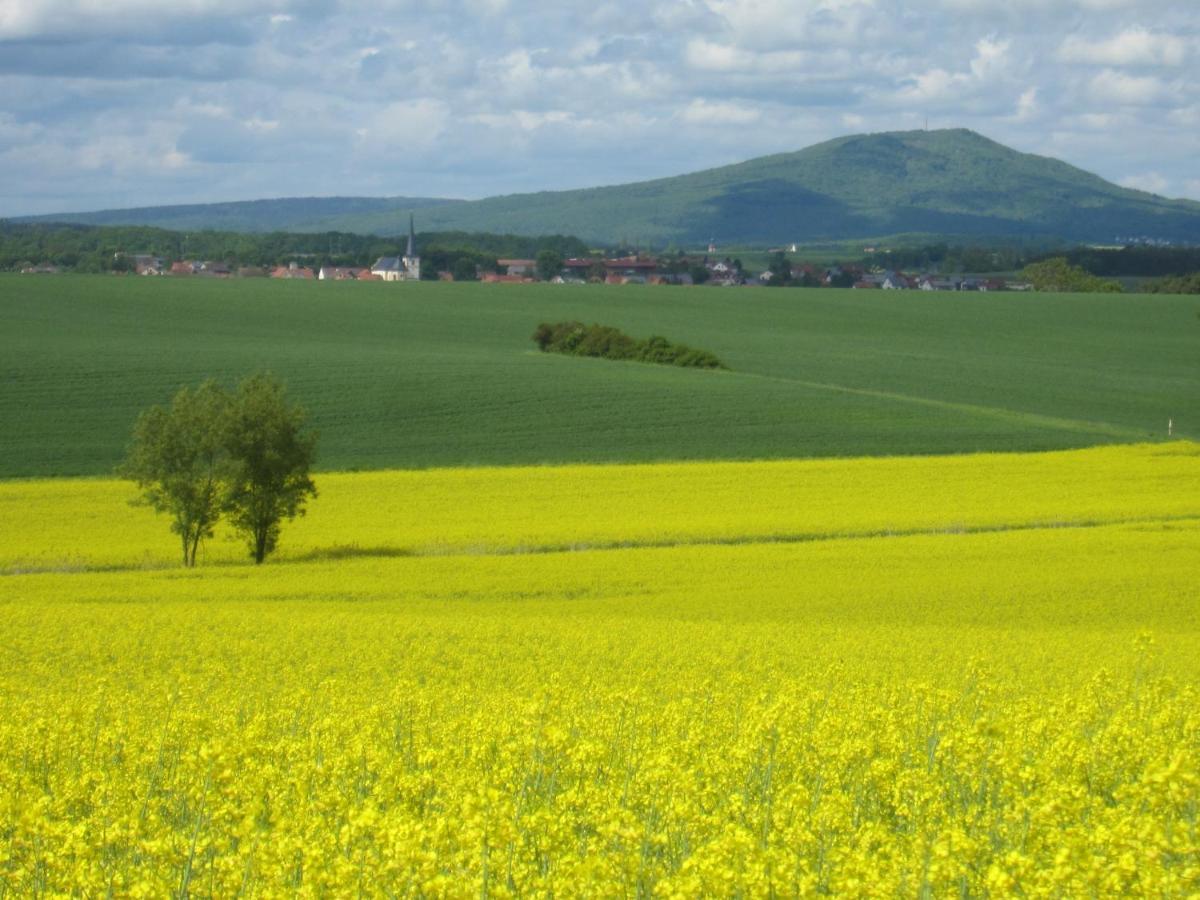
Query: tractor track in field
(351, 551)
(1081, 426)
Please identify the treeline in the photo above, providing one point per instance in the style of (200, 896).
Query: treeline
(606, 342)
(89, 248)
(1182, 284)
(952, 258)
(1133, 261)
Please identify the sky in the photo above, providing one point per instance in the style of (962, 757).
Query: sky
(121, 103)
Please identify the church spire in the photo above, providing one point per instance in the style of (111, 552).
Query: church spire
(412, 238)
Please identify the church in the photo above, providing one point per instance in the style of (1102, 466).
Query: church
(401, 268)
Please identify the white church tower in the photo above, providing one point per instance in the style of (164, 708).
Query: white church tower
(412, 262)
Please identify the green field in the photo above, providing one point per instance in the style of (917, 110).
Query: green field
(437, 374)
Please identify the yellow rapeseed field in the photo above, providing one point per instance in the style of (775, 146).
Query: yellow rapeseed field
(974, 676)
(78, 524)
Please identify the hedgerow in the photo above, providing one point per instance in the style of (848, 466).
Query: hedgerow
(606, 342)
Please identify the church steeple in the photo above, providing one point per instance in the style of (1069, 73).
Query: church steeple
(412, 262)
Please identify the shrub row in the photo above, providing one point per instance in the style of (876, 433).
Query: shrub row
(606, 342)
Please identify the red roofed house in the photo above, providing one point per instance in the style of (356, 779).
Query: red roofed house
(293, 271)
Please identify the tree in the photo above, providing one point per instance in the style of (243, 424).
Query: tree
(271, 454)
(464, 269)
(1057, 274)
(842, 279)
(549, 264)
(1182, 284)
(179, 460)
(780, 269)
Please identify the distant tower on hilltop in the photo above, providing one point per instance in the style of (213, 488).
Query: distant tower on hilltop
(712, 245)
(412, 262)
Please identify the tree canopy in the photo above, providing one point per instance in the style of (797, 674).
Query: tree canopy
(1056, 274)
(210, 452)
(549, 264)
(179, 460)
(271, 457)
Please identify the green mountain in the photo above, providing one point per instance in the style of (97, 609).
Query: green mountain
(952, 182)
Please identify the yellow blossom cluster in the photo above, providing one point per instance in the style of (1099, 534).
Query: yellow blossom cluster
(968, 711)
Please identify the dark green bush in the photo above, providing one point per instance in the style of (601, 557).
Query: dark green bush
(606, 342)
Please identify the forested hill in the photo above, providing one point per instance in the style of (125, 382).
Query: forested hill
(952, 182)
(297, 214)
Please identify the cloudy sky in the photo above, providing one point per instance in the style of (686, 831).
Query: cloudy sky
(115, 103)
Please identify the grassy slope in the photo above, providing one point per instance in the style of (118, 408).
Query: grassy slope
(443, 374)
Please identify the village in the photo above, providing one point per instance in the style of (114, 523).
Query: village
(678, 268)
(636, 269)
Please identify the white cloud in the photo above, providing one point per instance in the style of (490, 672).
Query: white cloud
(991, 58)
(56, 18)
(1111, 86)
(1136, 46)
(406, 126)
(705, 112)
(1096, 121)
(1060, 7)
(1185, 117)
(987, 68)
(1027, 105)
(717, 57)
(1151, 182)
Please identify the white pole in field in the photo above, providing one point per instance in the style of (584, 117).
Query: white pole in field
(1170, 427)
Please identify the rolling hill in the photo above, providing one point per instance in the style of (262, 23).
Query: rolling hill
(950, 182)
(443, 374)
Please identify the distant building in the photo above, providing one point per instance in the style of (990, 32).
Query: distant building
(146, 263)
(215, 270)
(293, 271)
(401, 268)
(517, 266)
(340, 273)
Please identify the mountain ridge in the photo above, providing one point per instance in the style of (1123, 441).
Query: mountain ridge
(951, 181)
